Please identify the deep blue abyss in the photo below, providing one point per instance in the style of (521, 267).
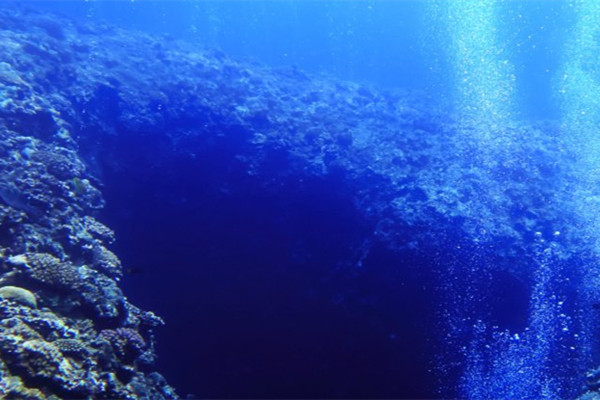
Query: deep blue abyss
(300, 199)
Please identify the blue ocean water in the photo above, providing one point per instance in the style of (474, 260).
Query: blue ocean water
(394, 44)
(284, 285)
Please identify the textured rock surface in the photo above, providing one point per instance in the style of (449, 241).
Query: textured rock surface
(75, 99)
(52, 250)
(421, 169)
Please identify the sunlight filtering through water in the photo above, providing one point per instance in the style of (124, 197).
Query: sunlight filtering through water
(484, 78)
(368, 198)
(578, 85)
(501, 363)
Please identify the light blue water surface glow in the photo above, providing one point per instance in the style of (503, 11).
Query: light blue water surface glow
(495, 63)
(385, 42)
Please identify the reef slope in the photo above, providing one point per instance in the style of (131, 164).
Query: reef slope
(79, 100)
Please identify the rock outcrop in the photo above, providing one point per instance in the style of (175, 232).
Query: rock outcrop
(78, 99)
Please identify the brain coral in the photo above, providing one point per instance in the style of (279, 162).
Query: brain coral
(71, 347)
(127, 343)
(48, 269)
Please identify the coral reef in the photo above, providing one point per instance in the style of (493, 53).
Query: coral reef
(58, 278)
(77, 100)
(46, 355)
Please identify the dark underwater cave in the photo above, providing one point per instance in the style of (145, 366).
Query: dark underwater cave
(270, 286)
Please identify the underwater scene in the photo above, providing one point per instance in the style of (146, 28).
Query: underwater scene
(300, 199)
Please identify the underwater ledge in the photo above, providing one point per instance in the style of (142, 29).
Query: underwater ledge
(347, 204)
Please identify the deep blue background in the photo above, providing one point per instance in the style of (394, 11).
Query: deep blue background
(260, 286)
(392, 44)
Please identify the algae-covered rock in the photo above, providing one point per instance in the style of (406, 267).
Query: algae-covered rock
(20, 295)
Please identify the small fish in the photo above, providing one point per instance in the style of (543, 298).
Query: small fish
(79, 186)
(133, 270)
